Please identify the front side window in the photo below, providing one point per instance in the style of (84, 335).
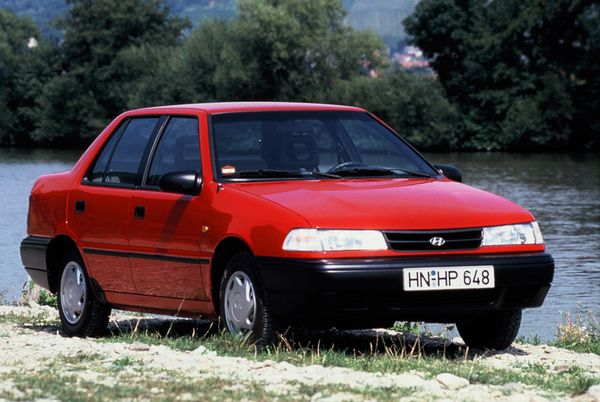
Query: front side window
(304, 144)
(178, 150)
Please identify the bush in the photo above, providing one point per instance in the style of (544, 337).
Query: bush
(579, 333)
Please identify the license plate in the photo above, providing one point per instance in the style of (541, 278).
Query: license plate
(444, 278)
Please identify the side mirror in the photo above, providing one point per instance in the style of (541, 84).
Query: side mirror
(188, 183)
(450, 172)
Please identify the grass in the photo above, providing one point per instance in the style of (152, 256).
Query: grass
(386, 355)
(406, 327)
(46, 298)
(79, 358)
(37, 319)
(534, 340)
(33, 293)
(140, 383)
(580, 333)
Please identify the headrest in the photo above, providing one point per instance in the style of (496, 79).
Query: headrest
(298, 151)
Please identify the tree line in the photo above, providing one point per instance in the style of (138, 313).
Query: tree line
(510, 76)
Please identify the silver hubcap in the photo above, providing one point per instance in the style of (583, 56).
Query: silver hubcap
(240, 303)
(72, 292)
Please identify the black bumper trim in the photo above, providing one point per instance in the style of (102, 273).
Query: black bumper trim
(373, 288)
(33, 256)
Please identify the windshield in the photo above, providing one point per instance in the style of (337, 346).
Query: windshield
(310, 144)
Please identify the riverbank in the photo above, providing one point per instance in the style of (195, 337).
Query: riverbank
(157, 358)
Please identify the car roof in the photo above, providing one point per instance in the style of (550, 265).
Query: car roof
(230, 107)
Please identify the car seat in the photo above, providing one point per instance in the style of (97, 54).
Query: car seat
(297, 151)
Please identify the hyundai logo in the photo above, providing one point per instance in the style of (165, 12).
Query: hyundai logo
(437, 241)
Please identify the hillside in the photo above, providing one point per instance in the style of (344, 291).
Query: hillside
(383, 17)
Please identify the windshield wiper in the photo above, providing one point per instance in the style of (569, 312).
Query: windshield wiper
(323, 174)
(378, 171)
(275, 173)
(350, 171)
(413, 173)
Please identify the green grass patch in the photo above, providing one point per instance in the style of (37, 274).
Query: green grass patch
(585, 346)
(533, 340)
(80, 358)
(45, 298)
(37, 319)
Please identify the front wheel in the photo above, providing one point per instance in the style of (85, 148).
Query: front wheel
(80, 313)
(243, 302)
(495, 330)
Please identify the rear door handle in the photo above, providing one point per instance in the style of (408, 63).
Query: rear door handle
(80, 206)
(139, 212)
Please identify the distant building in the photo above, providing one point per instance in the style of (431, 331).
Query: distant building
(411, 57)
(32, 43)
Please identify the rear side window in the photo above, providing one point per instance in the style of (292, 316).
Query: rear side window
(125, 162)
(120, 159)
(178, 149)
(96, 172)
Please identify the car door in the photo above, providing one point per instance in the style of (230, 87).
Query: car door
(99, 207)
(165, 228)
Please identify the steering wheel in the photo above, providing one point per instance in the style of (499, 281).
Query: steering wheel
(344, 165)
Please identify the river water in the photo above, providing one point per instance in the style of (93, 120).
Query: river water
(562, 191)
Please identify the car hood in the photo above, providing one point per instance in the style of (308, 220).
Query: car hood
(402, 204)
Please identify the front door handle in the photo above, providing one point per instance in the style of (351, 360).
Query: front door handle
(139, 212)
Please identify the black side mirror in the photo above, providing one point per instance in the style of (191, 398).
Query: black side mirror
(450, 172)
(188, 183)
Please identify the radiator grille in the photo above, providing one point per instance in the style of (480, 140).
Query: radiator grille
(456, 239)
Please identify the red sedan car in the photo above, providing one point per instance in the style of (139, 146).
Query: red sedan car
(270, 214)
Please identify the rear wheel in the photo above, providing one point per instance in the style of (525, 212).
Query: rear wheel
(80, 313)
(243, 301)
(496, 330)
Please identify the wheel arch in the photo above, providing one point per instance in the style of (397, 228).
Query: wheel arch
(54, 254)
(226, 249)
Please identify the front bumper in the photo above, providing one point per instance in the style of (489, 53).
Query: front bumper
(363, 293)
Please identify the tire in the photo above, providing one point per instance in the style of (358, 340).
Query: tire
(243, 302)
(81, 314)
(496, 330)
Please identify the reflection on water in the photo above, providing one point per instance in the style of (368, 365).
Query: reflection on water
(562, 191)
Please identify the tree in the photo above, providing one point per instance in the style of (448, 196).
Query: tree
(521, 72)
(413, 104)
(183, 74)
(296, 49)
(24, 66)
(94, 81)
(272, 50)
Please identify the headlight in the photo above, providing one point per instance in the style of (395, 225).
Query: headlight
(526, 233)
(334, 240)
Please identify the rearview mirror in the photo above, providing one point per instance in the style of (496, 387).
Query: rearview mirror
(450, 172)
(188, 183)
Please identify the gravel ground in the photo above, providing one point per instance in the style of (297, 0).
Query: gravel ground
(26, 348)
